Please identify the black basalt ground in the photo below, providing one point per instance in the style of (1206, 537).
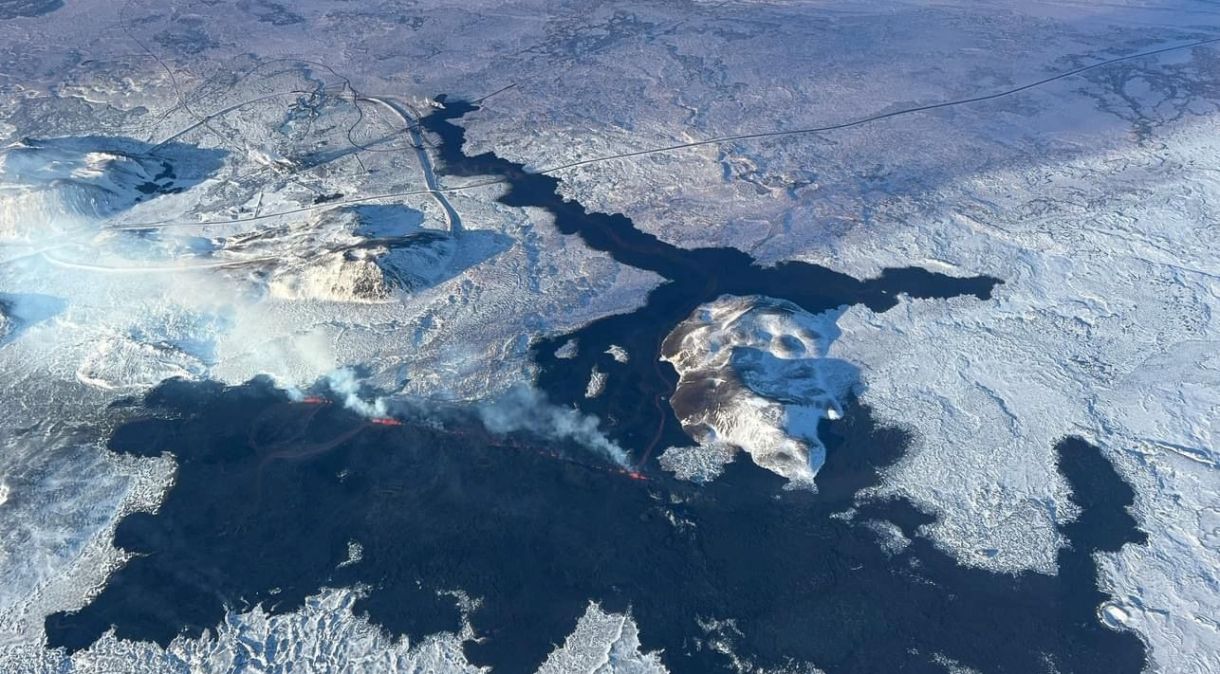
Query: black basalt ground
(269, 493)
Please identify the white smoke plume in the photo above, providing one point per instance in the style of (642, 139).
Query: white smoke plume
(524, 408)
(344, 383)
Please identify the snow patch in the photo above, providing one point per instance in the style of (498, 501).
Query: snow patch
(567, 350)
(597, 383)
(322, 636)
(701, 463)
(602, 643)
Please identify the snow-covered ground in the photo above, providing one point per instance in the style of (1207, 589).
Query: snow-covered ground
(1093, 197)
(326, 636)
(1106, 327)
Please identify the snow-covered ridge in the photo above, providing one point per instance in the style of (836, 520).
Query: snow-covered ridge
(60, 181)
(355, 255)
(753, 375)
(138, 303)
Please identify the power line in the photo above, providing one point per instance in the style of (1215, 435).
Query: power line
(884, 115)
(710, 141)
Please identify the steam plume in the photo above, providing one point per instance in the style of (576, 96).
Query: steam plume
(524, 408)
(345, 384)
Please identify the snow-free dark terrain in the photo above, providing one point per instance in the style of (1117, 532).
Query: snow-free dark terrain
(267, 501)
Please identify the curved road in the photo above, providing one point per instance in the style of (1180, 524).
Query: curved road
(410, 120)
